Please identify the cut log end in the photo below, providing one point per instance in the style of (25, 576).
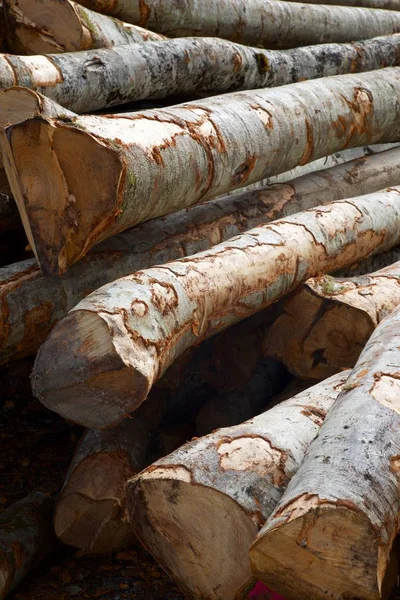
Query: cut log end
(188, 521)
(89, 394)
(325, 563)
(57, 166)
(46, 27)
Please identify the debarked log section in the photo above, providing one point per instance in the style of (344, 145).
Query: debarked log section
(209, 498)
(95, 79)
(100, 362)
(254, 22)
(78, 180)
(323, 327)
(52, 26)
(333, 530)
(32, 304)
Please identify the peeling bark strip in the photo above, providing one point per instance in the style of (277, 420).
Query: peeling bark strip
(43, 26)
(209, 498)
(32, 304)
(324, 326)
(267, 22)
(26, 536)
(100, 362)
(96, 79)
(332, 532)
(54, 164)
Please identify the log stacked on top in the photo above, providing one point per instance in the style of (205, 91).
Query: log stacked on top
(163, 300)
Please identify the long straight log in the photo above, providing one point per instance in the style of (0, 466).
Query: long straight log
(208, 499)
(383, 4)
(100, 362)
(107, 173)
(87, 81)
(32, 304)
(323, 327)
(254, 22)
(26, 537)
(332, 532)
(43, 26)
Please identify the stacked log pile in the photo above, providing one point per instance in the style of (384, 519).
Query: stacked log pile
(200, 276)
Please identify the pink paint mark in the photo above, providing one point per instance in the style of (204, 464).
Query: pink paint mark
(261, 592)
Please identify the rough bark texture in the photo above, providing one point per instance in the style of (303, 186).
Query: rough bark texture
(332, 533)
(323, 327)
(26, 536)
(42, 26)
(254, 22)
(100, 362)
(53, 164)
(209, 498)
(32, 304)
(87, 81)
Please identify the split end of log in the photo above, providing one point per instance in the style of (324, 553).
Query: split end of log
(91, 395)
(318, 549)
(202, 522)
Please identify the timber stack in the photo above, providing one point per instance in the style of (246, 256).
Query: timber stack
(200, 285)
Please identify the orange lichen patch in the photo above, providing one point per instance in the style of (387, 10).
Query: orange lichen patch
(145, 12)
(309, 149)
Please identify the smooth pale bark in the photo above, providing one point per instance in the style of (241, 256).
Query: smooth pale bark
(26, 537)
(333, 530)
(254, 22)
(95, 79)
(208, 499)
(323, 327)
(100, 362)
(43, 26)
(384, 4)
(157, 162)
(33, 304)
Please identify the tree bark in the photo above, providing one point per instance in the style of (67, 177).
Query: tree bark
(50, 26)
(254, 22)
(32, 304)
(96, 79)
(142, 156)
(323, 327)
(100, 362)
(26, 537)
(332, 532)
(384, 4)
(208, 499)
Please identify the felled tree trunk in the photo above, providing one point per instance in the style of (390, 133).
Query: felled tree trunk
(323, 327)
(254, 22)
(41, 26)
(33, 304)
(142, 156)
(384, 4)
(137, 326)
(209, 498)
(91, 512)
(332, 532)
(86, 81)
(26, 537)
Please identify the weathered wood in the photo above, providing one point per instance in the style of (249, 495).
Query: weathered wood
(33, 304)
(323, 327)
(100, 362)
(156, 162)
(254, 22)
(332, 532)
(209, 498)
(43, 26)
(95, 79)
(26, 537)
